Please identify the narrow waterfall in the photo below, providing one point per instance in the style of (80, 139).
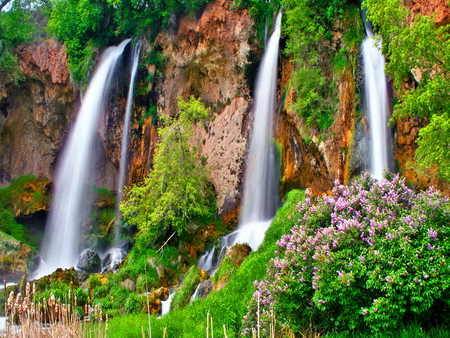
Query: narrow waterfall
(260, 196)
(70, 202)
(376, 105)
(126, 129)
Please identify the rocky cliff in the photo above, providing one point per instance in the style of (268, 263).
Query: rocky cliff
(35, 114)
(208, 55)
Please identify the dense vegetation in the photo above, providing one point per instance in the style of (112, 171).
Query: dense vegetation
(370, 257)
(26, 194)
(418, 54)
(318, 66)
(20, 21)
(84, 26)
(226, 306)
(176, 193)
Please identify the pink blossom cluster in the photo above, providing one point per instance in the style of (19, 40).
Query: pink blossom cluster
(370, 256)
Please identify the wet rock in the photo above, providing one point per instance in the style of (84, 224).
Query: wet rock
(125, 244)
(89, 261)
(204, 288)
(113, 260)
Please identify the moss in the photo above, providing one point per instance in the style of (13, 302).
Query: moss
(183, 295)
(230, 264)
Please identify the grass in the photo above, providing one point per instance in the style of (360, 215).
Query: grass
(225, 307)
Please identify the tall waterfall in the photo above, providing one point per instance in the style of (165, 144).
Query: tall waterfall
(260, 196)
(376, 104)
(70, 202)
(126, 129)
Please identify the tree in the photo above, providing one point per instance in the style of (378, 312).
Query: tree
(433, 151)
(15, 28)
(418, 52)
(176, 191)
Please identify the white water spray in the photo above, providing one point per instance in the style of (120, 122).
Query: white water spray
(126, 130)
(260, 197)
(165, 304)
(70, 202)
(376, 103)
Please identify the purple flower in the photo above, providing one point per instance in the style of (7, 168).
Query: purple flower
(432, 234)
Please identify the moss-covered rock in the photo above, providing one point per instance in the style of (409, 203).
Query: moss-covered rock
(230, 264)
(14, 257)
(183, 295)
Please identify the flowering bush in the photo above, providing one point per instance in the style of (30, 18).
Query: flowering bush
(371, 256)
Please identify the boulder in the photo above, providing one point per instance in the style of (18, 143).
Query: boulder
(89, 261)
(204, 288)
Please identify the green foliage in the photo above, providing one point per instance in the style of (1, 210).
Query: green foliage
(370, 257)
(176, 191)
(311, 103)
(187, 288)
(9, 225)
(132, 16)
(261, 11)
(79, 24)
(25, 194)
(87, 25)
(308, 26)
(17, 25)
(422, 50)
(226, 306)
(140, 268)
(433, 150)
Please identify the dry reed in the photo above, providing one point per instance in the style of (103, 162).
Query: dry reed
(49, 318)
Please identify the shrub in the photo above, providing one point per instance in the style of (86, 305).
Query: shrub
(371, 256)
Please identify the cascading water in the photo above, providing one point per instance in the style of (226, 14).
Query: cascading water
(126, 128)
(260, 188)
(376, 104)
(260, 197)
(70, 200)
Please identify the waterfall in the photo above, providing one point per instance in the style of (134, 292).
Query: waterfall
(165, 304)
(260, 196)
(126, 128)
(70, 202)
(376, 104)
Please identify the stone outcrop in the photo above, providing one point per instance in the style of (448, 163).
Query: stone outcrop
(207, 58)
(35, 113)
(439, 8)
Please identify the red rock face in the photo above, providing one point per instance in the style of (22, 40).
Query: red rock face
(428, 7)
(49, 57)
(35, 113)
(207, 57)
